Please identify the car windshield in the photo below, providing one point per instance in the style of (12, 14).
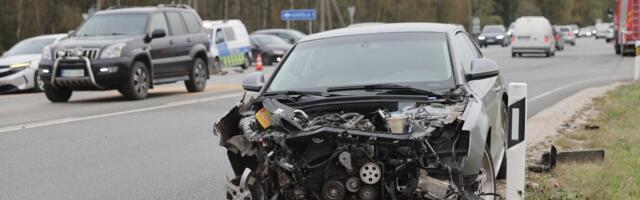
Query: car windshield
(114, 24)
(297, 34)
(270, 40)
(30, 46)
(419, 60)
(492, 29)
(565, 29)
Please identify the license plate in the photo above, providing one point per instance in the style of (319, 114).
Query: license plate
(490, 40)
(72, 73)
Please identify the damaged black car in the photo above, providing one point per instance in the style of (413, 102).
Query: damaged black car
(393, 111)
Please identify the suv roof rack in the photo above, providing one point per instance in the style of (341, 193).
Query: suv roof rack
(175, 6)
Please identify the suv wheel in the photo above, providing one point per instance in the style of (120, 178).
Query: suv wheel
(247, 62)
(56, 95)
(198, 77)
(137, 86)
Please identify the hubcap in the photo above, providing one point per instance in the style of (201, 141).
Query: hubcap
(39, 82)
(199, 74)
(140, 81)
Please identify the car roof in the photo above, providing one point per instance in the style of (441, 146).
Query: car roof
(384, 28)
(147, 9)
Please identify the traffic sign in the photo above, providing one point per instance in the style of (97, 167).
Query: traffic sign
(298, 15)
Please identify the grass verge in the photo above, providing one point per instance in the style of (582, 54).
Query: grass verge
(618, 177)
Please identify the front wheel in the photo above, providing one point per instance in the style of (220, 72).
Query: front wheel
(57, 95)
(198, 77)
(137, 85)
(38, 84)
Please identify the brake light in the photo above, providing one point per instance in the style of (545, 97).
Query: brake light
(546, 39)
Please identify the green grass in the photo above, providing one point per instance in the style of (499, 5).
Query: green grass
(618, 177)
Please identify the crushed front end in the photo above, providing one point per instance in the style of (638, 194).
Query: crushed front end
(351, 149)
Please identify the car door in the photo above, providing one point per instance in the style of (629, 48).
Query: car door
(160, 48)
(487, 90)
(194, 34)
(181, 46)
(221, 45)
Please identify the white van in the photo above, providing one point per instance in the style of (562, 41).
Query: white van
(532, 35)
(230, 44)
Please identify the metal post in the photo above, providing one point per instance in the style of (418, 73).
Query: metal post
(310, 27)
(290, 7)
(636, 71)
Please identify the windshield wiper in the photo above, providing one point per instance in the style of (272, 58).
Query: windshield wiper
(297, 92)
(391, 87)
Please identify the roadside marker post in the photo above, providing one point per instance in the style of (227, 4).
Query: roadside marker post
(517, 141)
(636, 71)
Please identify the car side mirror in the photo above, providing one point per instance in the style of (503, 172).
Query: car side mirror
(482, 68)
(253, 82)
(71, 33)
(157, 33)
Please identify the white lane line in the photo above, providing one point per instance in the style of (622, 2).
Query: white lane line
(76, 119)
(565, 87)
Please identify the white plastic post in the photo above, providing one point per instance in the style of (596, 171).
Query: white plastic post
(517, 148)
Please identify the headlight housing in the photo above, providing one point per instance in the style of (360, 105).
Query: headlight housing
(113, 51)
(46, 53)
(481, 38)
(20, 66)
(499, 37)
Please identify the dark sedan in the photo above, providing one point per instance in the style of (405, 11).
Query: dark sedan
(494, 34)
(269, 47)
(291, 36)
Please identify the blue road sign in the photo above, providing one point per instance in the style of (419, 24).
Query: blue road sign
(298, 15)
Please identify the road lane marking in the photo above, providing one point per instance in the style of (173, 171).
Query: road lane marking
(77, 119)
(540, 96)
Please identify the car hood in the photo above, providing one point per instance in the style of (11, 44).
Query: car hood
(10, 60)
(94, 42)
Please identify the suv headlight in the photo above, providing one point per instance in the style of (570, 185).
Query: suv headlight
(46, 52)
(499, 37)
(113, 51)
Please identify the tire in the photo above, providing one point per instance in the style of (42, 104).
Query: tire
(136, 87)
(57, 95)
(513, 55)
(247, 62)
(617, 47)
(547, 54)
(38, 84)
(198, 76)
(488, 186)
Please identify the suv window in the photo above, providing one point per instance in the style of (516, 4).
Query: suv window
(158, 21)
(192, 22)
(219, 37)
(467, 50)
(175, 21)
(229, 33)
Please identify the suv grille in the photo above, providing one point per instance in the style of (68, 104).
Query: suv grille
(89, 53)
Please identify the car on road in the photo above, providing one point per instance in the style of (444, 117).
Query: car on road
(585, 32)
(230, 44)
(131, 50)
(557, 35)
(575, 28)
(494, 35)
(602, 30)
(270, 48)
(567, 35)
(291, 36)
(533, 34)
(334, 121)
(626, 19)
(19, 64)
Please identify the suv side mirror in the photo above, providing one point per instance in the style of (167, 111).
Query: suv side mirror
(157, 33)
(482, 68)
(253, 82)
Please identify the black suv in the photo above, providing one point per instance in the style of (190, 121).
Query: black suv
(129, 49)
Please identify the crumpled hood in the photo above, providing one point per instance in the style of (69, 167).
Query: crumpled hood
(93, 42)
(10, 60)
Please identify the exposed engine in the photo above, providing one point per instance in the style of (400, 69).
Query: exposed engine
(373, 150)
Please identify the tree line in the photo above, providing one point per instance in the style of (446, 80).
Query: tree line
(27, 18)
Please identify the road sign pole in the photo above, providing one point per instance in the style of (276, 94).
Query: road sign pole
(310, 27)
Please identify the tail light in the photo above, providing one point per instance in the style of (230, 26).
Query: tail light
(546, 39)
(570, 33)
(513, 39)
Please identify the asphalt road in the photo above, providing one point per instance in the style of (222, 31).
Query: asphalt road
(99, 146)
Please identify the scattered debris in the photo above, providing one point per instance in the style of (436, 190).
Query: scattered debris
(550, 158)
(591, 127)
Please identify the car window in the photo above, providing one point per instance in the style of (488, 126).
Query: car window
(229, 33)
(419, 60)
(466, 50)
(114, 24)
(159, 22)
(219, 36)
(192, 22)
(175, 21)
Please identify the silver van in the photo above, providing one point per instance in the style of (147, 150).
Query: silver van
(532, 34)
